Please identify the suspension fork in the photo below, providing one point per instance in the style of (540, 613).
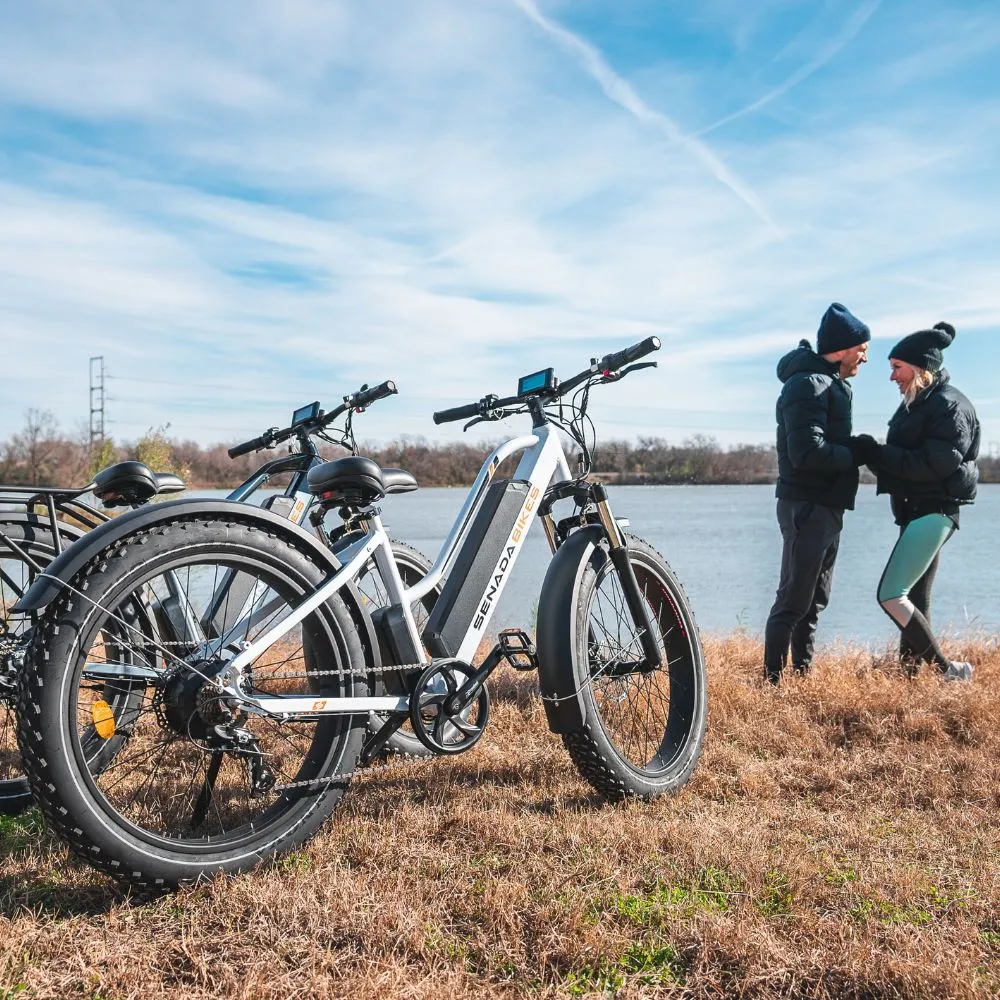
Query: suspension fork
(626, 574)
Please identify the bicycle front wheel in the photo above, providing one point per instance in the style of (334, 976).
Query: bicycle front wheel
(198, 785)
(644, 727)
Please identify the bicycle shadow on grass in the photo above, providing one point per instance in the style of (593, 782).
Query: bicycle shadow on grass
(40, 892)
(426, 785)
(36, 874)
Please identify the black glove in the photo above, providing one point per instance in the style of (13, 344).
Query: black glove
(865, 449)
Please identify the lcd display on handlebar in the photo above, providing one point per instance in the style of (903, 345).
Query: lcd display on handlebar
(542, 381)
(305, 413)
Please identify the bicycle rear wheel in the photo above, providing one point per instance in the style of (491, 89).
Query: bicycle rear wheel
(643, 728)
(199, 786)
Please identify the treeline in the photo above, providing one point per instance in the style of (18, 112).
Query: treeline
(40, 454)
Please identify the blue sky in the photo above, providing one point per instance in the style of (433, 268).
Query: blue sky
(248, 205)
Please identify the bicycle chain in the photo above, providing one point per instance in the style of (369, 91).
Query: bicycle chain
(404, 760)
(402, 668)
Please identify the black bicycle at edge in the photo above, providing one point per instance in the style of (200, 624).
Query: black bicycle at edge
(247, 733)
(36, 524)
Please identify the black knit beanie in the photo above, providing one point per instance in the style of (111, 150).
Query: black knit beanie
(840, 329)
(923, 348)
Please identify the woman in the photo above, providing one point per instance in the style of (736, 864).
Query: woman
(928, 468)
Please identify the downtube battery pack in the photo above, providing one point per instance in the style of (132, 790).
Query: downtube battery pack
(471, 576)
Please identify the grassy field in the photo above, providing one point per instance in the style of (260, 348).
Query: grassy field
(840, 838)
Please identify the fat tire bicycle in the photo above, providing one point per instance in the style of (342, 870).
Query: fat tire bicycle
(248, 738)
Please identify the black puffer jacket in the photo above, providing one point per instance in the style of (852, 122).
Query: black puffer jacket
(814, 426)
(928, 463)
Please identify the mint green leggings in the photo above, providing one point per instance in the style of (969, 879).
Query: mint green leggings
(915, 553)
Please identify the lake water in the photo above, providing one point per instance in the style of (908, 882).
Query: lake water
(723, 543)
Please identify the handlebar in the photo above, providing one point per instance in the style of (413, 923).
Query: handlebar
(460, 412)
(264, 441)
(358, 401)
(365, 397)
(610, 364)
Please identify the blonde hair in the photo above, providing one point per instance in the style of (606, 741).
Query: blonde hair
(922, 379)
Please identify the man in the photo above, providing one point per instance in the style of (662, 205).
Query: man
(818, 462)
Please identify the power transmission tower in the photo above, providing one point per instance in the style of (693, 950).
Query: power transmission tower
(97, 399)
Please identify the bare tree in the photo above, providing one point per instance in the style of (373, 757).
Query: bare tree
(36, 447)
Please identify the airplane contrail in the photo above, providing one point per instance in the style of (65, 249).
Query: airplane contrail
(854, 24)
(622, 93)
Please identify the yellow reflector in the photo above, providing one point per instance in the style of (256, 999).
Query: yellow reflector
(104, 719)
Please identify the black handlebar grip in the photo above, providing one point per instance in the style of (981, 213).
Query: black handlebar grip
(242, 449)
(368, 396)
(612, 362)
(457, 413)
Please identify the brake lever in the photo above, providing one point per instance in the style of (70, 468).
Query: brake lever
(490, 416)
(619, 375)
(638, 365)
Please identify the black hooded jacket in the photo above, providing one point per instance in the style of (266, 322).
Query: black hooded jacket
(814, 427)
(928, 463)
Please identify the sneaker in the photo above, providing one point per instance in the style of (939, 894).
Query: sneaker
(959, 671)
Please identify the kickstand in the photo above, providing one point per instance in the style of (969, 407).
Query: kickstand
(378, 739)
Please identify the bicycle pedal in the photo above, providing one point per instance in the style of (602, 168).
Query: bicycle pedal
(517, 649)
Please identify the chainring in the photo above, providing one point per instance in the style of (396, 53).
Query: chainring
(443, 723)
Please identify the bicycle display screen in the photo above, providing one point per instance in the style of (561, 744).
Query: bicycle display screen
(305, 413)
(537, 382)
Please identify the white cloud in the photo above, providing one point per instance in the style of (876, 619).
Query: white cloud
(303, 197)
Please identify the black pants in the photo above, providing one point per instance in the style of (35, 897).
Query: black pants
(920, 595)
(811, 539)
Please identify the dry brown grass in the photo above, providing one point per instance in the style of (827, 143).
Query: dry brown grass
(839, 839)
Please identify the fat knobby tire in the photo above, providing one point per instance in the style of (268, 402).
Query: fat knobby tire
(76, 816)
(592, 751)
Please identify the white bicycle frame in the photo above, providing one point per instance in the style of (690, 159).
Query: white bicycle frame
(542, 462)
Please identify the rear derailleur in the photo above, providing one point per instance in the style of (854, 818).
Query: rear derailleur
(191, 704)
(241, 743)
